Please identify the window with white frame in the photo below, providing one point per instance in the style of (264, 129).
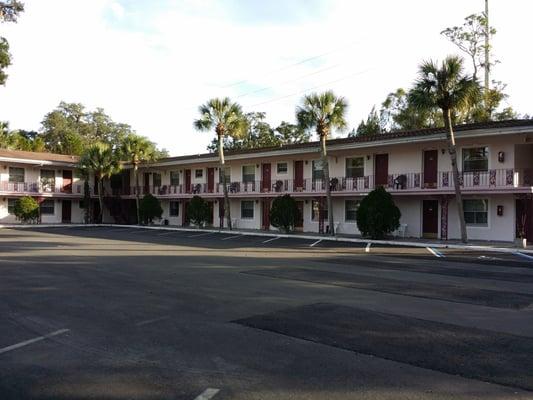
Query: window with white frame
(248, 173)
(247, 209)
(282, 168)
(224, 171)
(318, 170)
(16, 174)
(174, 208)
(11, 206)
(174, 178)
(476, 159)
(476, 211)
(48, 179)
(355, 167)
(315, 210)
(156, 179)
(350, 210)
(47, 207)
(198, 173)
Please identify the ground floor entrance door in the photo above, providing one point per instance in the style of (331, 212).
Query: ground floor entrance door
(265, 225)
(210, 219)
(299, 226)
(524, 219)
(66, 211)
(430, 219)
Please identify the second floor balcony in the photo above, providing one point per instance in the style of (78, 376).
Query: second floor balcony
(33, 188)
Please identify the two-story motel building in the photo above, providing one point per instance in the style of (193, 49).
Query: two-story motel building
(495, 160)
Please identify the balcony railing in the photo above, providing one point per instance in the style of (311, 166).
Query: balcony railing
(39, 187)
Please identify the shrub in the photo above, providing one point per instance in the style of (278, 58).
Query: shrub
(27, 210)
(377, 214)
(150, 209)
(284, 213)
(198, 211)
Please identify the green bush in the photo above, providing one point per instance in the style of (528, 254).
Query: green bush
(377, 214)
(198, 211)
(284, 213)
(150, 209)
(27, 210)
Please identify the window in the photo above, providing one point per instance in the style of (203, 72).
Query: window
(47, 207)
(282, 168)
(355, 167)
(198, 173)
(248, 173)
(350, 210)
(16, 174)
(315, 211)
(174, 178)
(226, 171)
(156, 179)
(318, 170)
(247, 209)
(476, 212)
(48, 179)
(11, 206)
(476, 159)
(174, 209)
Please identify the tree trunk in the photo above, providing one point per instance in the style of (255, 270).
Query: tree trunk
(325, 166)
(456, 182)
(227, 211)
(101, 198)
(137, 197)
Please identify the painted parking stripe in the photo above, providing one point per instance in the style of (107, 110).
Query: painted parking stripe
(166, 233)
(367, 248)
(201, 234)
(151, 321)
(231, 237)
(526, 256)
(34, 340)
(272, 239)
(315, 243)
(436, 253)
(207, 394)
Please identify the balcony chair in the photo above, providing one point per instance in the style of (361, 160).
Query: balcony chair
(400, 182)
(333, 184)
(402, 229)
(278, 186)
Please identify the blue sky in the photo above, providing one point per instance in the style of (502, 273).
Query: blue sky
(150, 63)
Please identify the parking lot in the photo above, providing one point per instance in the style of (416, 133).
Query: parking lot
(128, 313)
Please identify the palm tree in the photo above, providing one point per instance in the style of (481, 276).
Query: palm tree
(323, 112)
(447, 87)
(137, 149)
(226, 118)
(100, 160)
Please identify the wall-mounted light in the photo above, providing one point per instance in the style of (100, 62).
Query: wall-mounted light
(257, 165)
(306, 162)
(368, 157)
(501, 156)
(306, 201)
(443, 151)
(256, 201)
(499, 211)
(336, 159)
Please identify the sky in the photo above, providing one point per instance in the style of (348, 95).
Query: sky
(151, 63)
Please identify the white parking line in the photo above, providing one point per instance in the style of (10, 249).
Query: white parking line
(151, 321)
(201, 234)
(528, 257)
(166, 233)
(231, 237)
(271, 239)
(436, 253)
(367, 248)
(37, 339)
(207, 394)
(315, 243)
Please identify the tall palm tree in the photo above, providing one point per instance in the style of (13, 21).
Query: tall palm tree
(226, 118)
(447, 87)
(100, 160)
(323, 112)
(137, 149)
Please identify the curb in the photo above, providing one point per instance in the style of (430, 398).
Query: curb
(285, 235)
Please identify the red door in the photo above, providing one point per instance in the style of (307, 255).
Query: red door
(210, 180)
(298, 176)
(430, 168)
(187, 181)
(524, 219)
(66, 211)
(184, 216)
(266, 178)
(221, 211)
(299, 225)
(266, 214)
(382, 169)
(430, 219)
(67, 181)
